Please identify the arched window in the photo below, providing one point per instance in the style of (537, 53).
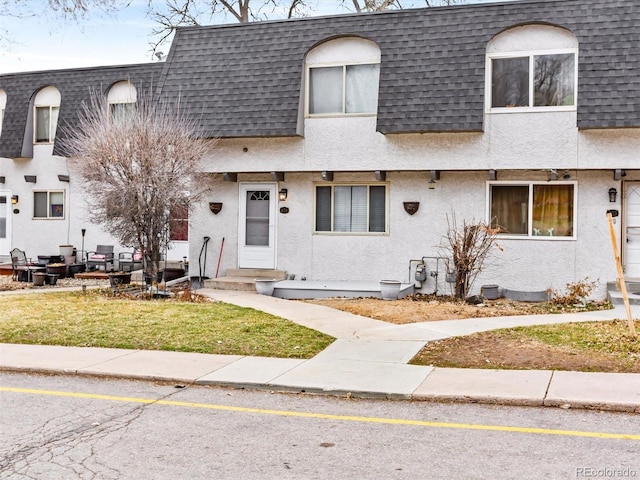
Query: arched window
(342, 78)
(532, 67)
(46, 108)
(122, 97)
(3, 104)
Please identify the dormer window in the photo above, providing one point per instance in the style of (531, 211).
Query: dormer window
(545, 80)
(46, 123)
(3, 103)
(532, 68)
(344, 89)
(122, 99)
(342, 78)
(46, 109)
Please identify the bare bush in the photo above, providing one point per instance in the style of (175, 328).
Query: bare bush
(134, 167)
(466, 249)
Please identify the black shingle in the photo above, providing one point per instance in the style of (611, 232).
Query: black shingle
(75, 86)
(246, 79)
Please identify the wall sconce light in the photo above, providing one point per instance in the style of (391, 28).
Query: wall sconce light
(618, 173)
(613, 193)
(566, 175)
(230, 177)
(14, 199)
(30, 178)
(282, 194)
(327, 176)
(493, 174)
(63, 178)
(380, 175)
(553, 175)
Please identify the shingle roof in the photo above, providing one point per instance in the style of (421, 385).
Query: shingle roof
(75, 86)
(245, 79)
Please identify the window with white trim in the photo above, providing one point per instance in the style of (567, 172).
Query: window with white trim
(46, 123)
(121, 97)
(343, 89)
(532, 68)
(533, 81)
(540, 210)
(358, 208)
(46, 109)
(48, 204)
(3, 104)
(342, 77)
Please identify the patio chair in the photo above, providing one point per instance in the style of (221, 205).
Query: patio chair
(21, 267)
(102, 256)
(130, 261)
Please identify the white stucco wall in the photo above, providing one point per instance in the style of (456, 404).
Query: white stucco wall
(521, 264)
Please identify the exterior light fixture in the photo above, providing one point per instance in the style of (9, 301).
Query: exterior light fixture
(553, 175)
(327, 176)
(282, 194)
(493, 175)
(433, 176)
(380, 175)
(14, 199)
(613, 193)
(566, 175)
(618, 173)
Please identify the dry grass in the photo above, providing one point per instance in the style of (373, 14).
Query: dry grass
(96, 319)
(586, 346)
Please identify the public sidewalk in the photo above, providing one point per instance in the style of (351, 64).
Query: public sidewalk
(368, 359)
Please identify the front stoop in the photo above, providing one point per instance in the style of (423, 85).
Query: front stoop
(243, 279)
(614, 294)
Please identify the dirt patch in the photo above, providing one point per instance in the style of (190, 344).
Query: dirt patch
(428, 308)
(494, 349)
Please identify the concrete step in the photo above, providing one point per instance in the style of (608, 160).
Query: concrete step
(633, 291)
(252, 273)
(245, 284)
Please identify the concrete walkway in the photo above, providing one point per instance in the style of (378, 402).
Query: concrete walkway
(368, 359)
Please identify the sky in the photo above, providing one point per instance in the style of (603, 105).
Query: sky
(46, 41)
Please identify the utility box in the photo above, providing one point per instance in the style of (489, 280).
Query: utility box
(421, 273)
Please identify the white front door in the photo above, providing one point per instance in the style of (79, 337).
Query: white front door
(5, 222)
(631, 234)
(257, 225)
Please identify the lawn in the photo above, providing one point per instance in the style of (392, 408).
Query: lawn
(95, 319)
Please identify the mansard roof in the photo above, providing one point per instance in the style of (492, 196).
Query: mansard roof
(75, 86)
(247, 79)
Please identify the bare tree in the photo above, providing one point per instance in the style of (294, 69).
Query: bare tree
(134, 167)
(379, 5)
(466, 248)
(180, 13)
(73, 9)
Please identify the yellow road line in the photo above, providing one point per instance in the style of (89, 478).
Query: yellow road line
(325, 416)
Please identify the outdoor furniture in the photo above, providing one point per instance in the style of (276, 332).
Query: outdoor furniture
(130, 261)
(101, 256)
(21, 268)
